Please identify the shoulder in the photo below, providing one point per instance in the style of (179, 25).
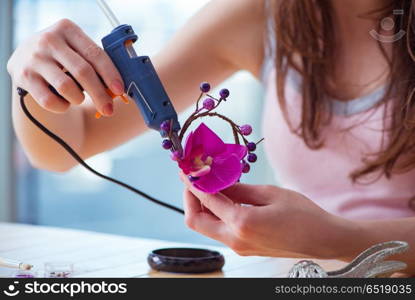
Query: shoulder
(237, 30)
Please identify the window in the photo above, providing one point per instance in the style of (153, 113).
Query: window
(80, 200)
(6, 177)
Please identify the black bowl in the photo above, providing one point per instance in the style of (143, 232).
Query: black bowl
(185, 260)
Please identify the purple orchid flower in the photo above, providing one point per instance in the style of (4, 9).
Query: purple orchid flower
(216, 165)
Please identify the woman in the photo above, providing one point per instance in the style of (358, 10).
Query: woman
(338, 122)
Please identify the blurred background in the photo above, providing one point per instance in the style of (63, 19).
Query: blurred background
(78, 199)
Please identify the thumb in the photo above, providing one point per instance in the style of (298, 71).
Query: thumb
(248, 194)
(219, 204)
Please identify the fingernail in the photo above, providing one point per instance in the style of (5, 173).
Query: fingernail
(108, 109)
(117, 87)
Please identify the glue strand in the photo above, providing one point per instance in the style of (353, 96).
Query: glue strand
(72, 152)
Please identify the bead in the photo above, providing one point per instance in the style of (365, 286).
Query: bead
(167, 144)
(251, 146)
(165, 126)
(246, 129)
(193, 178)
(224, 93)
(205, 87)
(252, 157)
(163, 133)
(24, 276)
(208, 103)
(245, 167)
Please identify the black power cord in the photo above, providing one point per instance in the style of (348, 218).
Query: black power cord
(22, 93)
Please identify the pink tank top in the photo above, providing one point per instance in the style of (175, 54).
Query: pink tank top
(323, 175)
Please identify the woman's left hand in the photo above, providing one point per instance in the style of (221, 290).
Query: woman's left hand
(274, 221)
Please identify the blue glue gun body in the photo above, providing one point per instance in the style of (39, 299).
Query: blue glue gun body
(140, 78)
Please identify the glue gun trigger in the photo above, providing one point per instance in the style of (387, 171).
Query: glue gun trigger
(124, 98)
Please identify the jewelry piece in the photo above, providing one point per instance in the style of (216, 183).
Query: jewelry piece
(370, 263)
(205, 154)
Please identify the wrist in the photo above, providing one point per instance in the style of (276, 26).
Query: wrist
(344, 239)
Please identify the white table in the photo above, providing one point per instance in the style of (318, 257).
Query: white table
(105, 255)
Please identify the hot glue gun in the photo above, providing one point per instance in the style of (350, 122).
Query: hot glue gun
(141, 81)
(140, 78)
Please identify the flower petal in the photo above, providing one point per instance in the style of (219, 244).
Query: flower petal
(239, 150)
(188, 144)
(212, 144)
(185, 165)
(224, 173)
(188, 163)
(201, 172)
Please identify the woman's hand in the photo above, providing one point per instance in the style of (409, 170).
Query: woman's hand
(40, 60)
(274, 221)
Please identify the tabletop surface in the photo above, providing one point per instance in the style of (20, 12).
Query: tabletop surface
(104, 255)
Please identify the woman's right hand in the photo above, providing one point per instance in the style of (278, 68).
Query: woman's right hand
(43, 59)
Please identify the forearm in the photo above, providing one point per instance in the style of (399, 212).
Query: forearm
(196, 53)
(42, 151)
(349, 238)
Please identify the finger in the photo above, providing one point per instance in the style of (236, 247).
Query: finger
(39, 90)
(247, 194)
(243, 193)
(62, 83)
(201, 221)
(87, 78)
(207, 210)
(220, 205)
(97, 57)
(191, 204)
(197, 206)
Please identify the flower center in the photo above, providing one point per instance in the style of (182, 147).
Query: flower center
(201, 167)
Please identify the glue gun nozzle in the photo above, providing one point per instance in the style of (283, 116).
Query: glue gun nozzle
(177, 145)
